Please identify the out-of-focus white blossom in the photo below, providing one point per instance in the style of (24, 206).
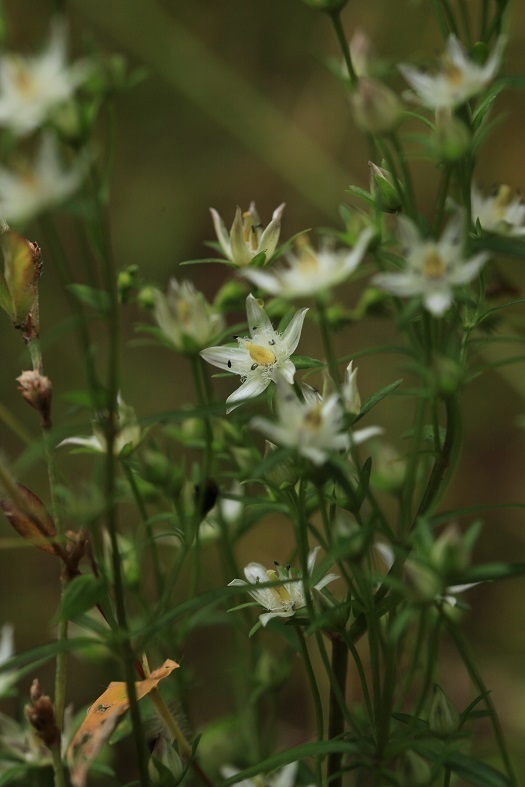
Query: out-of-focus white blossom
(37, 187)
(502, 212)
(128, 433)
(458, 79)
(186, 318)
(433, 268)
(32, 87)
(308, 272)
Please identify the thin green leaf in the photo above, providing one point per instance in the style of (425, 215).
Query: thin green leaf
(500, 244)
(473, 771)
(80, 595)
(305, 362)
(315, 749)
(99, 300)
(377, 397)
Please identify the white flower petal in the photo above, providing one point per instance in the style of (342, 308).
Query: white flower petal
(248, 390)
(438, 301)
(258, 320)
(292, 333)
(267, 616)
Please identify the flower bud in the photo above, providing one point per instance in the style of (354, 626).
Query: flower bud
(448, 376)
(350, 392)
(422, 583)
(377, 109)
(444, 718)
(451, 138)
(271, 672)
(383, 189)
(165, 767)
(362, 54)
(41, 716)
(413, 770)
(36, 390)
(22, 270)
(127, 282)
(282, 474)
(147, 297)
(388, 467)
(450, 554)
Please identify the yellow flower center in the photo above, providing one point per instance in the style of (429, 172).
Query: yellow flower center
(280, 591)
(313, 419)
(502, 200)
(433, 266)
(23, 80)
(454, 74)
(249, 231)
(260, 355)
(308, 262)
(184, 311)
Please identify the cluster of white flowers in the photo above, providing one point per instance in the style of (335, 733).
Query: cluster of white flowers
(32, 90)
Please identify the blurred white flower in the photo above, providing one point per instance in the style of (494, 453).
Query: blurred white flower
(128, 433)
(7, 650)
(185, 317)
(247, 238)
(35, 188)
(502, 212)
(309, 271)
(281, 601)
(458, 79)
(32, 87)
(285, 777)
(314, 427)
(433, 268)
(262, 357)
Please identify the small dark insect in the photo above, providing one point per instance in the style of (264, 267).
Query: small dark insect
(207, 497)
(254, 366)
(254, 328)
(229, 364)
(271, 342)
(235, 336)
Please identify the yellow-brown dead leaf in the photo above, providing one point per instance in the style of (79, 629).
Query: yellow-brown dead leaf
(102, 718)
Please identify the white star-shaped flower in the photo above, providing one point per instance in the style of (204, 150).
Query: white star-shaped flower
(260, 358)
(129, 433)
(32, 87)
(281, 601)
(309, 271)
(26, 193)
(502, 212)
(314, 427)
(433, 268)
(185, 317)
(247, 238)
(458, 79)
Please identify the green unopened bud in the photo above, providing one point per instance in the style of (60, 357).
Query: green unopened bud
(422, 583)
(271, 672)
(480, 52)
(444, 718)
(157, 469)
(281, 474)
(127, 282)
(451, 138)
(384, 188)
(165, 767)
(147, 297)
(327, 5)
(450, 554)
(449, 376)
(68, 122)
(388, 467)
(413, 770)
(377, 109)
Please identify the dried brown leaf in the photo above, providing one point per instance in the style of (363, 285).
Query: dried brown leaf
(29, 517)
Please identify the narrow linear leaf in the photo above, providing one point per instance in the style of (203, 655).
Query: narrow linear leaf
(91, 296)
(305, 362)
(473, 771)
(377, 397)
(80, 595)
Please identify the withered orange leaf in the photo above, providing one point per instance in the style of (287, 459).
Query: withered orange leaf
(102, 718)
(30, 519)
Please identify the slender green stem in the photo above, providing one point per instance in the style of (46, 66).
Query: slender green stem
(477, 680)
(58, 767)
(463, 12)
(408, 185)
(157, 569)
(336, 723)
(440, 18)
(326, 339)
(441, 199)
(314, 689)
(345, 49)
